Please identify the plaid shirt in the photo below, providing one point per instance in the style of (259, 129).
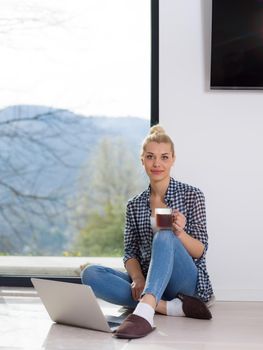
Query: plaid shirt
(138, 234)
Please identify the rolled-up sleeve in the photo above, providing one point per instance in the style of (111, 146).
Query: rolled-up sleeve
(196, 221)
(131, 247)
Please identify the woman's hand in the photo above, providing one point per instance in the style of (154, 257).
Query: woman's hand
(137, 287)
(179, 221)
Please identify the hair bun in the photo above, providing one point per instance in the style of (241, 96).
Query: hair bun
(157, 129)
(157, 134)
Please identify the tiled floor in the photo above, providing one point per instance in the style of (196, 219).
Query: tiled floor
(25, 324)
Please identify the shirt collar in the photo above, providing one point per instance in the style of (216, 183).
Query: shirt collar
(147, 194)
(169, 196)
(169, 193)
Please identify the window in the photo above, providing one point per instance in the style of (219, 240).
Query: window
(75, 105)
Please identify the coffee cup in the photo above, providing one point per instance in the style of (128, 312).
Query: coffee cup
(164, 219)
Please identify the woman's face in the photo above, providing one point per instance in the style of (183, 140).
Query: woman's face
(157, 160)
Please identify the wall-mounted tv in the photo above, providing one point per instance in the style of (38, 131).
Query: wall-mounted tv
(237, 44)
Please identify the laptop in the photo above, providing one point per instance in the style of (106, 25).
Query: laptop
(75, 305)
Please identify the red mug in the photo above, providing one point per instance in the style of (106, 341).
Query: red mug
(164, 219)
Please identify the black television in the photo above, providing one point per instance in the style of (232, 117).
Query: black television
(237, 44)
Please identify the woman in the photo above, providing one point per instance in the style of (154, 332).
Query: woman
(166, 269)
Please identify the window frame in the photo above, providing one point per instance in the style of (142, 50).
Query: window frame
(25, 281)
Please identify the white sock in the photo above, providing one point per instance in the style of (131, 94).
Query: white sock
(146, 311)
(175, 307)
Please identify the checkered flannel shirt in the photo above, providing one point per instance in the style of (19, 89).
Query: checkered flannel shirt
(138, 234)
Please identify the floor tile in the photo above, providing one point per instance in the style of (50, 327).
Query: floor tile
(233, 325)
(25, 325)
(192, 346)
(73, 338)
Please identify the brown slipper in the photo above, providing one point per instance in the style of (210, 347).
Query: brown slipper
(133, 326)
(194, 307)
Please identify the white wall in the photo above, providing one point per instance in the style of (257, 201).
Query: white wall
(219, 139)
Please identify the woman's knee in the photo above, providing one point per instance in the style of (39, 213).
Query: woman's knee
(165, 236)
(90, 274)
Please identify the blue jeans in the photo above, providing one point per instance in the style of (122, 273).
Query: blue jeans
(171, 271)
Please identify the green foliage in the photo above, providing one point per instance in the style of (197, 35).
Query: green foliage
(112, 177)
(103, 234)
(4, 254)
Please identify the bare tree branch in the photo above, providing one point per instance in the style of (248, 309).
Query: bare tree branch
(34, 146)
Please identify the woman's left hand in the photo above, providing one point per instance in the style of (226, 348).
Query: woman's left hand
(179, 221)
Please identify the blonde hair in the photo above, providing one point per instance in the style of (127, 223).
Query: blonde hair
(157, 134)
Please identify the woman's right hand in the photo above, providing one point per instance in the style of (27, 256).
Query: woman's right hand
(137, 287)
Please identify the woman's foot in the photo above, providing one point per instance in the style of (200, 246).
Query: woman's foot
(174, 308)
(194, 307)
(133, 327)
(83, 266)
(138, 324)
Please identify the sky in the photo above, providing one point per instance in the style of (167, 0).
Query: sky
(89, 56)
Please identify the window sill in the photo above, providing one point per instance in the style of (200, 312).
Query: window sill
(51, 265)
